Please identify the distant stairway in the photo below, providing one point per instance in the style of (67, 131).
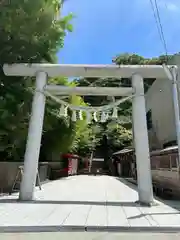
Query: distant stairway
(97, 168)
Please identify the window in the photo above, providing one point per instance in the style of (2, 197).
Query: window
(149, 119)
(165, 162)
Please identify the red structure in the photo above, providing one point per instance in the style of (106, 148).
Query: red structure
(70, 162)
(67, 166)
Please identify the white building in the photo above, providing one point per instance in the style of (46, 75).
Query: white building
(160, 111)
(160, 114)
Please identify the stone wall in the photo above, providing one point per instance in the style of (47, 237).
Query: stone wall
(8, 171)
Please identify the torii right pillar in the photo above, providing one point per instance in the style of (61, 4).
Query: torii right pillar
(141, 142)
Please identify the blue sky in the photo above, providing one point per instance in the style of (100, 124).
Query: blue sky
(104, 28)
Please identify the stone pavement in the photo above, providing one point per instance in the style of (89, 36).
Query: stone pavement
(86, 203)
(89, 236)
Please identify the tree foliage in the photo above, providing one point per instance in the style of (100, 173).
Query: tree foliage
(134, 59)
(119, 133)
(30, 32)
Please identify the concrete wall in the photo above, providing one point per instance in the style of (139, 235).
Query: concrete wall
(159, 100)
(8, 171)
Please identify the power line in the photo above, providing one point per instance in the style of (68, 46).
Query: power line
(157, 17)
(157, 24)
(161, 27)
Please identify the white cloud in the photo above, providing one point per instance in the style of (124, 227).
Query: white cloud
(173, 7)
(170, 5)
(164, 5)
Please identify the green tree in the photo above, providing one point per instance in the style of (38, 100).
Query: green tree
(120, 133)
(30, 32)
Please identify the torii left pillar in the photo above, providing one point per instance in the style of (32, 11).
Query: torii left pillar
(34, 140)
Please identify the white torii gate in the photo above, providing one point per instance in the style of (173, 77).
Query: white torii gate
(43, 71)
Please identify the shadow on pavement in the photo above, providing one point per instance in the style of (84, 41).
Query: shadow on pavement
(96, 203)
(173, 203)
(74, 228)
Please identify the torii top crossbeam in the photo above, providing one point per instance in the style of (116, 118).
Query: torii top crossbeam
(71, 70)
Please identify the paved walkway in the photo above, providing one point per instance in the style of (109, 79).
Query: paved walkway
(85, 203)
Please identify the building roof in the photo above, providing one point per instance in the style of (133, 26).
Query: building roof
(165, 150)
(125, 150)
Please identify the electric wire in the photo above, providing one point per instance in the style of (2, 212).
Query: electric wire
(159, 25)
